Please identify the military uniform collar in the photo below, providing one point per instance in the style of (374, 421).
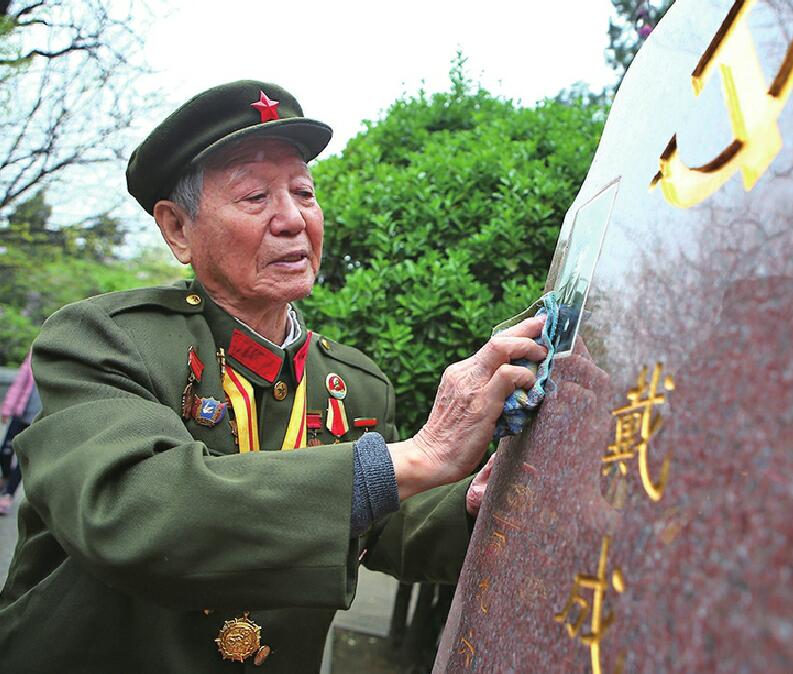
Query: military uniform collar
(256, 358)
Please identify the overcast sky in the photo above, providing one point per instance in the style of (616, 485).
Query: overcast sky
(346, 61)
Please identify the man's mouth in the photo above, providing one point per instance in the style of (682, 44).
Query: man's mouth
(292, 261)
(292, 257)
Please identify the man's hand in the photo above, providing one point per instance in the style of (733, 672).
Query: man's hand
(470, 399)
(476, 490)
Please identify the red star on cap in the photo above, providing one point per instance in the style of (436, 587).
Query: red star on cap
(267, 108)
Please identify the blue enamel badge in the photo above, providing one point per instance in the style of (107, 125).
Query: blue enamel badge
(208, 411)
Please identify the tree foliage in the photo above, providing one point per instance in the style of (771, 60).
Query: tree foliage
(441, 220)
(634, 23)
(67, 74)
(42, 268)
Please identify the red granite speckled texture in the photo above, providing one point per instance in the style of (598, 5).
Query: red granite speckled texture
(707, 293)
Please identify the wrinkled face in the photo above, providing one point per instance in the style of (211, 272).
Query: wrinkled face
(257, 237)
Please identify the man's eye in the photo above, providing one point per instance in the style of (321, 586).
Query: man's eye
(256, 198)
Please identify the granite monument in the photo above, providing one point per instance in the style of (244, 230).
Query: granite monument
(644, 521)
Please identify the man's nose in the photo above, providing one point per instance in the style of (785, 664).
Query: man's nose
(287, 218)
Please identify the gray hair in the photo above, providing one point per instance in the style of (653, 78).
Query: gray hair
(187, 191)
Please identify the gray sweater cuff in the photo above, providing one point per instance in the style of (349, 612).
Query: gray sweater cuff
(374, 488)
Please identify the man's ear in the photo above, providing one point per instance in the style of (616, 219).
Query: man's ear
(173, 222)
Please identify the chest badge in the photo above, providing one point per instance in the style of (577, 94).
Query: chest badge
(314, 423)
(336, 418)
(208, 411)
(365, 422)
(204, 411)
(336, 386)
(195, 368)
(240, 638)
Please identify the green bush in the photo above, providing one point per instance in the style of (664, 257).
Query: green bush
(440, 221)
(43, 268)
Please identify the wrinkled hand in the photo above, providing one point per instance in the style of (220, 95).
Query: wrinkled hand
(476, 490)
(470, 399)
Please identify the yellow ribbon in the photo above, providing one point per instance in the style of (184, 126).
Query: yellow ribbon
(295, 436)
(239, 392)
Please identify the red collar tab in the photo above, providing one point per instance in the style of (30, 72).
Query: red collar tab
(267, 108)
(300, 358)
(257, 358)
(194, 363)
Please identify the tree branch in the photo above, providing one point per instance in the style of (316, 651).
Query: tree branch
(50, 54)
(26, 10)
(73, 100)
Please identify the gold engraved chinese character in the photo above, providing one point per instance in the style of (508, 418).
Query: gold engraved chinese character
(519, 494)
(467, 649)
(600, 623)
(637, 423)
(498, 540)
(753, 110)
(504, 520)
(484, 586)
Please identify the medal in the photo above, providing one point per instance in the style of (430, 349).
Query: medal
(365, 422)
(204, 411)
(336, 386)
(240, 638)
(194, 363)
(208, 411)
(336, 419)
(188, 398)
(195, 368)
(314, 423)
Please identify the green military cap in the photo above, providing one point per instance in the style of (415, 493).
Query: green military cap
(210, 120)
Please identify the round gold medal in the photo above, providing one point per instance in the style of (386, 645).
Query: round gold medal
(239, 638)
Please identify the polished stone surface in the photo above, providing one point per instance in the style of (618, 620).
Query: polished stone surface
(684, 360)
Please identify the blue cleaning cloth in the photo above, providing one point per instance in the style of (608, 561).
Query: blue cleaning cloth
(519, 406)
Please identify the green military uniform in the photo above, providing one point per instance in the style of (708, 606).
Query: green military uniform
(137, 520)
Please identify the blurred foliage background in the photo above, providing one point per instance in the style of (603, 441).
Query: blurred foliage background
(441, 220)
(441, 216)
(43, 268)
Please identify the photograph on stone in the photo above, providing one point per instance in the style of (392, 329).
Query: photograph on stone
(642, 524)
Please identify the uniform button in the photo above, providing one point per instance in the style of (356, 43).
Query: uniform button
(280, 390)
(325, 344)
(193, 299)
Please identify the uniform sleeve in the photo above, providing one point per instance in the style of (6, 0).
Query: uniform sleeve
(375, 491)
(428, 538)
(136, 500)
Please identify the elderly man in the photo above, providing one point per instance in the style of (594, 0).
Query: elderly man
(161, 532)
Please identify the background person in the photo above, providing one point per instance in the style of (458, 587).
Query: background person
(20, 406)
